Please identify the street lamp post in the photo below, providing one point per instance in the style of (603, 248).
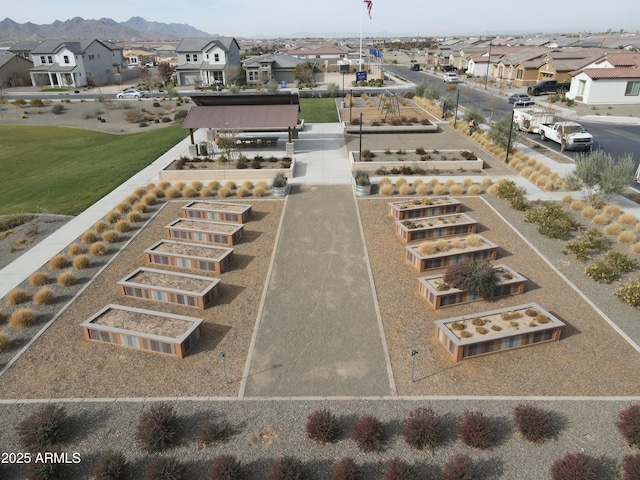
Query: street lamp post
(506, 160)
(413, 363)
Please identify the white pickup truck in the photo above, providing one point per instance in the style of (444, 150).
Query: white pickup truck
(570, 135)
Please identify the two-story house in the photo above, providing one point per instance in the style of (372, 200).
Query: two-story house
(60, 63)
(14, 70)
(207, 60)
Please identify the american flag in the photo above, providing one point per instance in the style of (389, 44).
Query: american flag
(369, 5)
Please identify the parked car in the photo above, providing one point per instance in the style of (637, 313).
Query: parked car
(131, 93)
(447, 68)
(415, 67)
(450, 77)
(149, 64)
(521, 100)
(548, 86)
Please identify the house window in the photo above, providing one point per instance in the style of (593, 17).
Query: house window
(187, 56)
(42, 59)
(216, 57)
(633, 88)
(519, 74)
(253, 76)
(195, 57)
(49, 59)
(66, 59)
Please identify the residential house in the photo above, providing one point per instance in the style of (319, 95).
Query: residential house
(276, 67)
(614, 78)
(559, 64)
(207, 60)
(24, 47)
(14, 70)
(139, 58)
(59, 63)
(319, 54)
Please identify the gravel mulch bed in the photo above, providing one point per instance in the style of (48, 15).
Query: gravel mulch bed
(590, 359)
(267, 430)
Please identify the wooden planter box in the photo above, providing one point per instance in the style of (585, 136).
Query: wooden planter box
(424, 207)
(143, 329)
(432, 288)
(203, 231)
(486, 250)
(217, 211)
(443, 226)
(497, 334)
(205, 258)
(170, 287)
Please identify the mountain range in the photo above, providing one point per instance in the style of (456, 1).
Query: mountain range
(134, 29)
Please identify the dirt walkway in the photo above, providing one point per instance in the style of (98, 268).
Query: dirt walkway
(319, 334)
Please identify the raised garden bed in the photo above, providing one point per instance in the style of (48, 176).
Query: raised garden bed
(194, 256)
(217, 211)
(170, 287)
(204, 231)
(497, 330)
(438, 294)
(443, 226)
(441, 253)
(380, 115)
(207, 170)
(143, 329)
(384, 163)
(424, 207)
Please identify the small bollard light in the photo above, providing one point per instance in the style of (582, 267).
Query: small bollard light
(413, 363)
(224, 367)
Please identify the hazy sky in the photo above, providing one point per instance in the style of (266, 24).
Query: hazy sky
(394, 17)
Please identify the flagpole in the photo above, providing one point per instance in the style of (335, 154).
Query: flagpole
(360, 54)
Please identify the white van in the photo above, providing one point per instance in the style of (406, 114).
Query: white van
(450, 77)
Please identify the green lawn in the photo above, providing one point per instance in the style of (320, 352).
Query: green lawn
(64, 170)
(318, 110)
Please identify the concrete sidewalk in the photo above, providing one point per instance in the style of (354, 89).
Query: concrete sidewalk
(320, 331)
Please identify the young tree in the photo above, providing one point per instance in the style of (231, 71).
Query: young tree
(600, 175)
(166, 71)
(499, 133)
(303, 73)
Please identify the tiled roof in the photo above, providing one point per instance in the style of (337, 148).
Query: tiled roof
(198, 44)
(625, 65)
(596, 73)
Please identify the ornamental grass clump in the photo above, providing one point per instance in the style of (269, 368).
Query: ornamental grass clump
(123, 208)
(44, 296)
(140, 208)
(628, 219)
(38, 279)
(368, 433)
(164, 468)
(17, 296)
(157, 428)
(533, 424)
(398, 469)
(286, 468)
(346, 470)
(122, 226)
(323, 426)
(111, 236)
(214, 432)
(423, 429)
(58, 262)
(387, 189)
(599, 219)
(134, 217)
(627, 237)
(475, 430)
(224, 192)
(22, 318)
(405, 189)
(613, 229)
(89, 237)
(101, 226)
(225, 467)
(628, 425)
(110, 466)
(98, 249)
(66, 279)
(48, 426)
(113, 216)
(477, 277)
(75, 249)
(460, 466)
(575, 466)
(5, 342)
(81, 262)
